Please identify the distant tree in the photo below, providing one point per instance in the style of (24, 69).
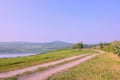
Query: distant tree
(101, 45)
(78, 46)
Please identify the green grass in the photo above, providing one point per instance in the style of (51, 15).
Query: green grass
(37, 70)
(103, 67)
(9, 64)
(12, 78)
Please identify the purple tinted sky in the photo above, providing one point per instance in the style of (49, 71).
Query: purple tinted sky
(90, 21)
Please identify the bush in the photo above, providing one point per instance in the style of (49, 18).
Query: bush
(117, 51)
(113, 47)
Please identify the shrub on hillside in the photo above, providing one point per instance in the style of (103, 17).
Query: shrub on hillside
(116, 46)
(113, 47)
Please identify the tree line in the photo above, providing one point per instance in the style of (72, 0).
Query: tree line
(110, 47)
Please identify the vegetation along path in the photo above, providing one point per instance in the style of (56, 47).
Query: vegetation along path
(46, 73)
(20, 71)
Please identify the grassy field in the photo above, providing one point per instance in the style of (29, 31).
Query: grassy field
(9, 64)
(103, 67)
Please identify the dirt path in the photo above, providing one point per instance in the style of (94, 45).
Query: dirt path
(20, 71)
(44, 74)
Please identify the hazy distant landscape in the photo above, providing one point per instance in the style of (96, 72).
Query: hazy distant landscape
(14, 49)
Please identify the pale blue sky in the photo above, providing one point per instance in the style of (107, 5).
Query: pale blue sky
(90, 21)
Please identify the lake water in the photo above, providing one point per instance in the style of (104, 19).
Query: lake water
(8, 55)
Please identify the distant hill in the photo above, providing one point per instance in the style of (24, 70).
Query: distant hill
(28, 47)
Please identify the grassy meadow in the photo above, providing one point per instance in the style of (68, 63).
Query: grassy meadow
(103, 67)
(8, 64)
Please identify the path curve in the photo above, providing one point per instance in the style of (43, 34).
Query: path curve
(44, 74)
(20, 71)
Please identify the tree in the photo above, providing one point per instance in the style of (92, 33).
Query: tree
(78, 46)
(101, 45)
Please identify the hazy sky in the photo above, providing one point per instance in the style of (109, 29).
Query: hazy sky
(90, 21)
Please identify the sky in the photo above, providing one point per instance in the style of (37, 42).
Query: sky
(90, 21)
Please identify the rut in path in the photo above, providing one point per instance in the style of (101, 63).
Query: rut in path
(44, 74)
